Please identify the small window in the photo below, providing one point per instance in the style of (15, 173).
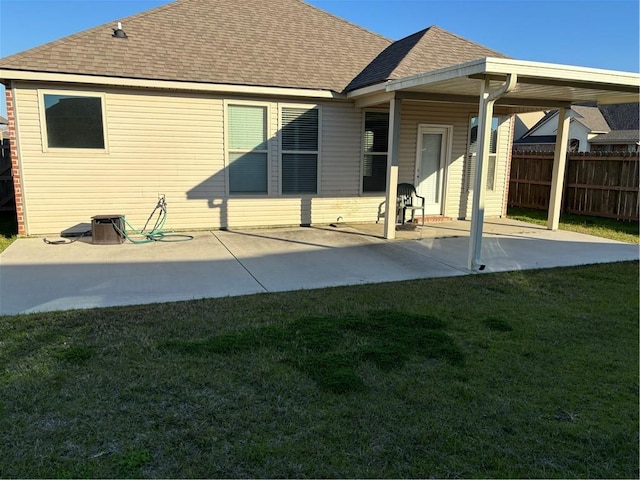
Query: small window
(376, 143)
(74, 121)
(472, 151)
(248, 149)
(300, 150)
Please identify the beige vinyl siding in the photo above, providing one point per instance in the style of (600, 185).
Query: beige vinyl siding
(418, 113)
(494, 201)
(156, 143)
(173, 143)
(457, 202)
(341, 139)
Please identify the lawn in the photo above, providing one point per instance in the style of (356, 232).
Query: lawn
(520, 374)
(611, 228)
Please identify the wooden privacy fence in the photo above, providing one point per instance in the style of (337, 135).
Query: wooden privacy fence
(598, 184)
(7, 199)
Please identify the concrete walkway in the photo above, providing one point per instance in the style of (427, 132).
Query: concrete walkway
(35, 276)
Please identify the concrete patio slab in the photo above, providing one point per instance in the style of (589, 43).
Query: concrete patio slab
(35, 276)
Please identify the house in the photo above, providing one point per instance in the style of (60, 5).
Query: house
(624, 124)
(592, 128)
(249, 113)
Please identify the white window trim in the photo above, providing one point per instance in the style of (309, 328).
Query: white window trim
(71, 93)
(227, 184)
(308, 106)
(467, 184)
(363, 153)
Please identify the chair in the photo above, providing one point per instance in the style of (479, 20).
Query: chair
(408, 199)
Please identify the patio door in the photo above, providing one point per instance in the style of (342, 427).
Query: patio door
(433, 146)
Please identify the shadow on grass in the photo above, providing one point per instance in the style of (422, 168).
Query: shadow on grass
(330, 350)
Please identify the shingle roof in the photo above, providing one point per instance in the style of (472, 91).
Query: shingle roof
(618, 136)
(623, 116)
(284, 43)
(591, 118)
(428, 49)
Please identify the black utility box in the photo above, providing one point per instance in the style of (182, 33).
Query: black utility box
(107, 229)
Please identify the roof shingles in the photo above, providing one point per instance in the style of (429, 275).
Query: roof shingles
(282, 43)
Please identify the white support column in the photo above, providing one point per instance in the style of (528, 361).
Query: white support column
(559, 165)
(485, 114)
(395, 115)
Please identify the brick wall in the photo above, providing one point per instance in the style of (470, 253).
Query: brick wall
(15, 169)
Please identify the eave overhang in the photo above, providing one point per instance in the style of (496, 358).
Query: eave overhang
(72, 78)
(544, 85)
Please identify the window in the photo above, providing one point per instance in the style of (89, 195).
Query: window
(300, 150)
(376, 143)
(247, 149)
(74, 121)
(472, 151)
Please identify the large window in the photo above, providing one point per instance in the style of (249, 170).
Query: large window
(247, 149)
(300, 150)
(472, 153)
(376, 143)
(74, 121)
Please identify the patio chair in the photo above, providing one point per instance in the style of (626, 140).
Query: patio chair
(408, 199)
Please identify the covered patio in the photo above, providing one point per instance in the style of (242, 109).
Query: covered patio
(516, 85)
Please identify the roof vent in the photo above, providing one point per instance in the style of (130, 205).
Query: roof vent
(118, 32)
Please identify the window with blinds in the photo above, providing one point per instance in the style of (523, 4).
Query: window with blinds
(374, 159)
(300, 148)
(472, 152)
(247, 149)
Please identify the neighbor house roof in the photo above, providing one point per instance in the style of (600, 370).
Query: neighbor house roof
(622, 116)
(591, 118)
(618, 136)
(282, 43)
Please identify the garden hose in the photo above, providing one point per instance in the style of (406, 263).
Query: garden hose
(156, 233)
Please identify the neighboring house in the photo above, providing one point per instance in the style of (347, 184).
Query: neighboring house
(252, 113)
(624, 122)
(592, 128)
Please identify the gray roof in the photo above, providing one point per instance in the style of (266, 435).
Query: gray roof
(591, 118)
(618, 136)
(283, 43)
(3, 121)
(622, 116)
(429, 49)
(536, 139)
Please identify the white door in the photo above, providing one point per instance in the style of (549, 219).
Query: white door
(430, 165)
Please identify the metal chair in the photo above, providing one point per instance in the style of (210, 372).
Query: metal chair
(408, 199)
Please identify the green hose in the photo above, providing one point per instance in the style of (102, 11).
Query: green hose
(156, 233)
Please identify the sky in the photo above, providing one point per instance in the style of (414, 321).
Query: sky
(589, 33)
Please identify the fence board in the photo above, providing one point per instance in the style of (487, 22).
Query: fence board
(7, 199)
(604, 185)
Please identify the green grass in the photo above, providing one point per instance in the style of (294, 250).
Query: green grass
(520, 374)
(622, 231)
(8, 229)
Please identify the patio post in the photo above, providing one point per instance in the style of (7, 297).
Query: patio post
(559, 166)
(485, 115)
(395, 113)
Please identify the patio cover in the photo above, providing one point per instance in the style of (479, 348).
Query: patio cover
(516, 84)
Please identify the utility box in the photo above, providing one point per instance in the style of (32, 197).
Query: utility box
(107, 229)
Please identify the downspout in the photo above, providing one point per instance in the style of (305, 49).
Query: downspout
(485, 114)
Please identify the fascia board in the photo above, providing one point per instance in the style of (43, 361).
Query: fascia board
(166, 84)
